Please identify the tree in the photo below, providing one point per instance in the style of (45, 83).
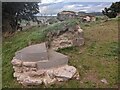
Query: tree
(113, 10)
(14, 12)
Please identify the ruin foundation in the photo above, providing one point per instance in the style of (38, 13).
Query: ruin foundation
(72, 37)
(35, 65)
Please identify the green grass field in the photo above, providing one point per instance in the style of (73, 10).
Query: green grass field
(96, 60)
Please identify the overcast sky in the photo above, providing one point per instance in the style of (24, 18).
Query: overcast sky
(54, 6)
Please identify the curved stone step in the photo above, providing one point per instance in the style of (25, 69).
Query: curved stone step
(44, 58)
(33, 53)
(55, 60)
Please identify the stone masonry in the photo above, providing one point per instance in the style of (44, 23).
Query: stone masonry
(72, 37)
(35, 65)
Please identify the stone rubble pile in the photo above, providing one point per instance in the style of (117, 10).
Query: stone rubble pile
(35, 65)
(61, 42)
(38, 64)
(73, 37)
(28, 74)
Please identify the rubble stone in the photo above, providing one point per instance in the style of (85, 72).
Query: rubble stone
(73, 37)
(65, 72)
(15, 74)
(16, 62)
(76, 76)
(48, 80)
(61, 79)
(18, 69)
(104, 81)
(21, 77)
(26, 69)
(30, 64)
(31, 81)
(43, 71)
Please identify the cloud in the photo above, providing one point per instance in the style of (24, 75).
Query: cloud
(56, 1)
(69, 7)
(55, 6)
(46, 1)
(50, 1)
(83, 10)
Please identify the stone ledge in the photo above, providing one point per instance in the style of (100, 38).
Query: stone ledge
(38, 70)
(47, 77)
(33, 53)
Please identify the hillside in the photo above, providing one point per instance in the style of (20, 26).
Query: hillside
(92, 13)
(95, 61)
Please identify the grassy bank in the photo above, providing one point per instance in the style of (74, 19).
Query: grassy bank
(96, 60)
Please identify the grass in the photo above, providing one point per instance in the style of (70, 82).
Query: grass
(60, 26)
(10, 46)
(0, 65)
(96, 60)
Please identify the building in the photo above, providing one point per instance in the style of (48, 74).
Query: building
(88, 18)
(64, 15)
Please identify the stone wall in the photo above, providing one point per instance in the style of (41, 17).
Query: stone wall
(65, 15)
(36, 72)
(28, 74)
(72, 37)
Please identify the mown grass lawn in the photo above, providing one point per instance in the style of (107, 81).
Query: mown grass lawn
(96, 60)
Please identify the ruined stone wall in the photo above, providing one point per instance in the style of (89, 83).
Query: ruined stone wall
(72, 37)
(28, 74)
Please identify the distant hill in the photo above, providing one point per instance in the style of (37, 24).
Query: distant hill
(92, 13)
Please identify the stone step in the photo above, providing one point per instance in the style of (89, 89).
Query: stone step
(33, 53)
(55, 60)
(45, 58)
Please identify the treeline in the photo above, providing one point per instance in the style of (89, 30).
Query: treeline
(113, 10)
(14, 12)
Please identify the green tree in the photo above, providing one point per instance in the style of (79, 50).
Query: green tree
(113, 10)
(14, 12)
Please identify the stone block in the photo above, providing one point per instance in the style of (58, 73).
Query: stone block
(33, 53)
(16, 62)
(65, 72)
(15, 74)
(18, 69)
(30, 64)
(35, 65)
(55, 60)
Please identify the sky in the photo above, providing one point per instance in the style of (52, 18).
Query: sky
(52, 7)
